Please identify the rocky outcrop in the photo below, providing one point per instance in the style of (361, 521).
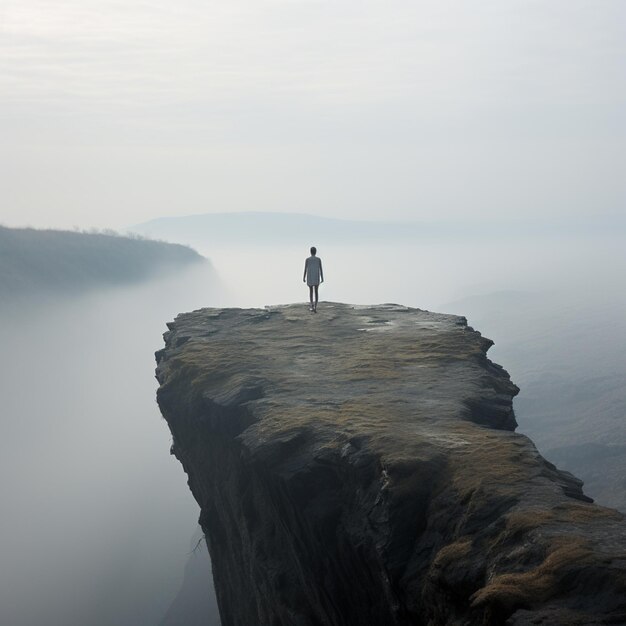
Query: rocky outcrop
(359, 466)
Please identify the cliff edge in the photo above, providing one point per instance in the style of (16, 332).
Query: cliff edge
(359, 466)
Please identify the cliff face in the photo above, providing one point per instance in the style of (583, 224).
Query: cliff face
(359, 466)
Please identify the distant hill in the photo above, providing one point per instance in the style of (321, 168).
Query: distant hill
(265, 228)
(269, 228)
(53, 261)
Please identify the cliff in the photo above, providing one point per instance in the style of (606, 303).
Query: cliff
(360, 466)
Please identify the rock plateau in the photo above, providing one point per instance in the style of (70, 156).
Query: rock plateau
(359, 466)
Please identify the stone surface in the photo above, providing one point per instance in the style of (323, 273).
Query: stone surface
(359, 466)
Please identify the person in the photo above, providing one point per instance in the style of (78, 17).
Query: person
(313, 276)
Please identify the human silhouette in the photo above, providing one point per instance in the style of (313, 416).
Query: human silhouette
(313, 276)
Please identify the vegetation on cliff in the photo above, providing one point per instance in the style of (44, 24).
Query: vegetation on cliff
(360, 466)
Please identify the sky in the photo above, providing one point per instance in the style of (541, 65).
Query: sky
(116, 112)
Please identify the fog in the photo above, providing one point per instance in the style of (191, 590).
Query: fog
(123, 111)
(97, 517)
(422, 274)
(500, 123)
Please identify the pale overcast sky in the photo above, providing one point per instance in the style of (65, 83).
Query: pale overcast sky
(114, 112)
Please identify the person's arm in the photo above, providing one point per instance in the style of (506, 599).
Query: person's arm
(306, 262)
(321, 272)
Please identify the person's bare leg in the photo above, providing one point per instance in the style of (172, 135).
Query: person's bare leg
(316, 299)
(311, 297)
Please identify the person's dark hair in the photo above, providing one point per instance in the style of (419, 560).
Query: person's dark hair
(313, 250)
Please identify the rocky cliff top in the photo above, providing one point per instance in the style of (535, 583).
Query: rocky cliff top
(360, 466)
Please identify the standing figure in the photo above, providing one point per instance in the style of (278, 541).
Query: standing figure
(313, 276)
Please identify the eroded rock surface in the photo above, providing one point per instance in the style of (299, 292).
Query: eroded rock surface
(358, 466)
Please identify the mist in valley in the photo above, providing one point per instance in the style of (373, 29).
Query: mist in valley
(97, 517)
(98, 520)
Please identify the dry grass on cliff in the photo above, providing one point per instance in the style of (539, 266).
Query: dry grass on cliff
(581, 512)
(525, 589)
(574, 513)
(452, 553)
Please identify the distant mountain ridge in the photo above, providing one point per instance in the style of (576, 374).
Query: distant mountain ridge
(259, 228)
(64, 261)
(266, 228)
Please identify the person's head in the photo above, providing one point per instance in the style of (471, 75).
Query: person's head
(313, 250)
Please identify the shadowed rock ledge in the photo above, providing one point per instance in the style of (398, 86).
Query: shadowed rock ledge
(358, 466)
